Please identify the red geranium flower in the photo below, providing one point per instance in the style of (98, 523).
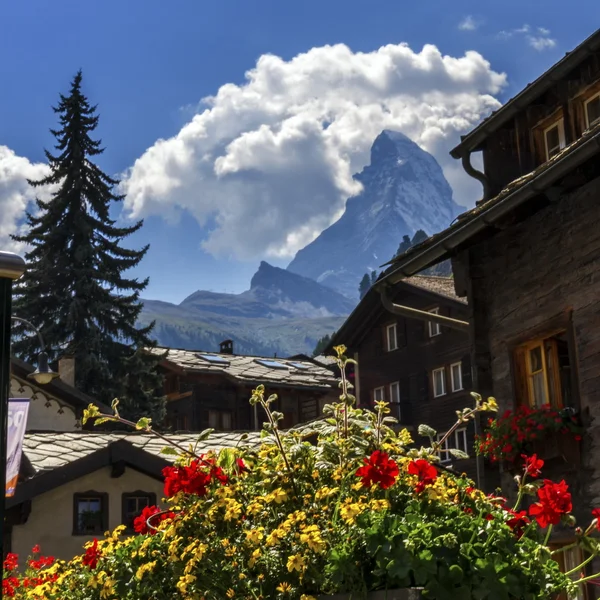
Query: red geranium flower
(426, 472)
(91, 556)
(533, 465)
(9, 585)
(189, 479)
(11, 561)
(140, 523)
(36, 549)
(596, 515)
(518, 521)
(555, 501)
(378, 468)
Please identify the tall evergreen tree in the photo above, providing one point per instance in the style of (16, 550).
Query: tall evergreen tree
(75, 290)
(373, 277)
(365, 284)
(405, 244)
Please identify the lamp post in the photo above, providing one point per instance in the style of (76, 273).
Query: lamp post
(11, 268)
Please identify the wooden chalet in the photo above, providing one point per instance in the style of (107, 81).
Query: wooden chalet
(422, 368)
(207, 389)
(527, 257)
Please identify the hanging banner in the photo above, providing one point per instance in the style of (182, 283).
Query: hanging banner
(17, 423)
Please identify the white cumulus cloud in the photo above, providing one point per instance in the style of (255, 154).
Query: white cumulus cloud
(268, 164)
(16, 193)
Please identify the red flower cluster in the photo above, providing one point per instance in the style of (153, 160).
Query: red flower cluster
(193, 478)
(508, 434)
(426, 472)
(532, 465)
(554, 502)
(378, 468)
(91, 556)
(518, 521)
(140, 524)
(11, 583)
(596, 515)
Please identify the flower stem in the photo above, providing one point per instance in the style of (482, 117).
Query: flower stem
(548, 534)
(589, 559)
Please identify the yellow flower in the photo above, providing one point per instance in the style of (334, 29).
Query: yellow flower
(230, 593)
(279, 495)
(306, 597)
(253, 558)
(284, 588)
(184, 581)
(145, 568)
(350, 510)
(254, 535)
(296, 563)
(379, 504)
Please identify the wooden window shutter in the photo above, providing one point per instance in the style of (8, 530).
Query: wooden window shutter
(401, 332)
(520, 376)
(424, 387)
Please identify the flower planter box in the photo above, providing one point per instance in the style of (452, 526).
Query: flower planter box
(404, 594)
(559, 446)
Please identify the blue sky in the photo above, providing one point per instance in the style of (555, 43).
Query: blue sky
(148, 64)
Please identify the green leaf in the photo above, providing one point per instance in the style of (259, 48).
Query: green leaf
(205, 434)
(458, 453)
(143, 423)
(103, 420)
(169, 450)
(427, 431)
(226, 458)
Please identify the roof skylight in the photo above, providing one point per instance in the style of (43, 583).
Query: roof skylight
(300, 366)
(271, 364)
(213, 358)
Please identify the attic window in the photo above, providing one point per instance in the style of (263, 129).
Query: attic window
(592, 110)
(271, 364)
(213, 358)
(554, 139)
(299, 366)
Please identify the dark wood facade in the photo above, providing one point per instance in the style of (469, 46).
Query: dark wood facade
(413, 364)
(197, 401)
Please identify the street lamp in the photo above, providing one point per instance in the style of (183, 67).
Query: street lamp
(43, 374)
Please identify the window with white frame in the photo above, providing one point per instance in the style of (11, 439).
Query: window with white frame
(592, 110)
(434, 328)
(458, 441)
(379, 394)
(456, 376)
(438, 377)
(554, 138)
(572, 559)
(395, 399)
(392, 337)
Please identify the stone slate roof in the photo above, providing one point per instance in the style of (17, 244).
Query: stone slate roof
(249, 370)
(49, 451)
(438, 285)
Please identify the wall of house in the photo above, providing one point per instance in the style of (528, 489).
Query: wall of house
(517, 148)
(411, 365)
(529, 279)
(221, 394)
(45, 413)
(50, 523)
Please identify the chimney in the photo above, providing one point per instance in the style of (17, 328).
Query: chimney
(66, 369)
(226, 347)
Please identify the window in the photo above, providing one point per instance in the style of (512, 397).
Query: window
(434, 328)
(542, 372)
(132, 505)
(439, 382)
(567, 561)
(456, 376)
(271, 364)
(90, 513)
(592, 110)
(458, 441)
(554, 139)
(214, 358)
(395, 399)
(219, 420)
(392, 338)
(379, 394)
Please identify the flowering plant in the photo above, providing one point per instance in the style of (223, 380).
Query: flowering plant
(509, 436)
(359, 510)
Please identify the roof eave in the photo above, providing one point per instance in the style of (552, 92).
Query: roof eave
(442, 248)
(473, 140)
